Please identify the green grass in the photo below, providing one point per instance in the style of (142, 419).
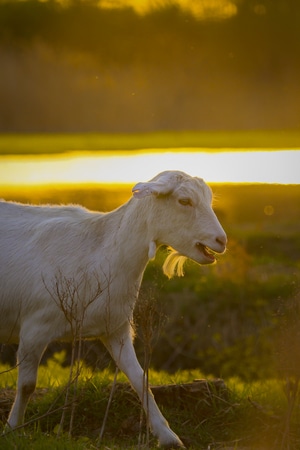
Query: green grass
(251, 415)
(22, 144)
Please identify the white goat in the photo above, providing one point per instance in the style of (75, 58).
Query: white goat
(42, 248)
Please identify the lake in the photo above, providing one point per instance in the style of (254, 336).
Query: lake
(280, 166)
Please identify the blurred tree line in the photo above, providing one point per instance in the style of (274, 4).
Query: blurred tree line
(76, 66)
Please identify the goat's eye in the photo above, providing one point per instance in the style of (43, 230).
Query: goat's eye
(185, 201)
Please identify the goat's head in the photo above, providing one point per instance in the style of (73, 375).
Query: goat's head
(183, 218)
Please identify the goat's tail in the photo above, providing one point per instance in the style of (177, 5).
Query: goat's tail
(173, 265)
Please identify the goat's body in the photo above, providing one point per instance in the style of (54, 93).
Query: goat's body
(52, 237)
(66, 267)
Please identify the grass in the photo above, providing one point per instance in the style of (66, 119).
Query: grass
(252, 415)
(22, 144)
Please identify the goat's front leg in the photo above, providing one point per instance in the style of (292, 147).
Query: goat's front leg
(122, 351)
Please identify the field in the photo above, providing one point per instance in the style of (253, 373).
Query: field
(22, 144)
(72, 68)
(236, 320)
(246, 416)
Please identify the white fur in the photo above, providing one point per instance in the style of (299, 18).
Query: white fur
(60, 266)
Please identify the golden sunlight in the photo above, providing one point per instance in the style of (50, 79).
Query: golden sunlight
(115, 167)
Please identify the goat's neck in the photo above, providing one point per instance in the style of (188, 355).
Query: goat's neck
(132, 236)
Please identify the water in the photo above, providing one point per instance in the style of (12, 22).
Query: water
(103, 167)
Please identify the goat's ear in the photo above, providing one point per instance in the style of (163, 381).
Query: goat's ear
(142, 190)
(163, 184)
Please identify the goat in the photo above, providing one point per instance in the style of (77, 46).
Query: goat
(42, 248)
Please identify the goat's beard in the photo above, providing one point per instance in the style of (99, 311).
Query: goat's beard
(173, 264)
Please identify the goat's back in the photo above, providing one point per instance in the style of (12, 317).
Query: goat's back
(38, 244)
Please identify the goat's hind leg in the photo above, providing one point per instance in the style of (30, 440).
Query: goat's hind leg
(28, 359)
(122, 350)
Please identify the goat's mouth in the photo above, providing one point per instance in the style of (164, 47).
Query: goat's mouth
(206, 251)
